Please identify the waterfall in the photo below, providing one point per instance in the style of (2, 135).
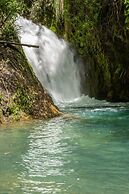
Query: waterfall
(54, 62)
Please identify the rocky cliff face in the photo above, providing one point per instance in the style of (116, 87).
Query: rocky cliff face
(21, 95)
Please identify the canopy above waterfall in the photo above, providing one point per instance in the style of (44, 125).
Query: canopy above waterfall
(53, 62)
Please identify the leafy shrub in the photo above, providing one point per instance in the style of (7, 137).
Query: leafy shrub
(8, 12)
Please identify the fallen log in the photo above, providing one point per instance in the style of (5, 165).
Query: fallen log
(19, 44)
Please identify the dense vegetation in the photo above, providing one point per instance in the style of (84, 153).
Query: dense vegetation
(99, 31)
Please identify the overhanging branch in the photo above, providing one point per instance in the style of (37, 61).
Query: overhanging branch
(19, 44)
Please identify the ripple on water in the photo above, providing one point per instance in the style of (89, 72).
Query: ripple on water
(87, 155)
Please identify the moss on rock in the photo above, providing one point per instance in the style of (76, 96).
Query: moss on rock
(21, 94)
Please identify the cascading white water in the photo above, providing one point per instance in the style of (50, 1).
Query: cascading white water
(53, 62)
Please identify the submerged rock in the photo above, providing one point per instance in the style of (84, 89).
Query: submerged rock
(21, 94)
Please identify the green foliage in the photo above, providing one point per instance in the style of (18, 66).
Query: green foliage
(22, 100)
(43, 12)
(19, 103)
(81, 19)
(82, 23)
(8, 12)
(53, 28)
(126, 3)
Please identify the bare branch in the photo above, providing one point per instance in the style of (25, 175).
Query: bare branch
(19, 44)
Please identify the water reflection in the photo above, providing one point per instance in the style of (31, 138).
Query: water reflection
(88, 154)
(46, 157)
(68, 156)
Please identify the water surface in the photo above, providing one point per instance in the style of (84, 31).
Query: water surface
(87, 153)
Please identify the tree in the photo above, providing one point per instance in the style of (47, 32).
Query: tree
(9, 9)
